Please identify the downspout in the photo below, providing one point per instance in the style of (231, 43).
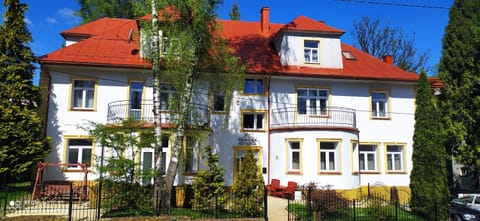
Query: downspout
(358, 155)
(268, 123)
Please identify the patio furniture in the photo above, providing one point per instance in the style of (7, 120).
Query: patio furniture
(287, 192)
(273, 187)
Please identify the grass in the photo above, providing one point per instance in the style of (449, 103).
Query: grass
(16, 191)
(387, 212)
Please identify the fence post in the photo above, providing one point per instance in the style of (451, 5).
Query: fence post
(5, 202)
(309, 203)
(354, 210)
(396, 210)
(265, 203)
(70, 202)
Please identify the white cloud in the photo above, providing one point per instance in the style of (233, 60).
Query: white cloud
(51, 20)
(68, 16)
(27, 21)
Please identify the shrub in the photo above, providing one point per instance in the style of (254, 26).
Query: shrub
(326, 201)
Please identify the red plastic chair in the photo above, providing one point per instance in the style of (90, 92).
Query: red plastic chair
(273, 187)
(289, 191)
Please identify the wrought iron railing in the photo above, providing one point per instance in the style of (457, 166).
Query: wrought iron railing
(328, 117)
(118, 111)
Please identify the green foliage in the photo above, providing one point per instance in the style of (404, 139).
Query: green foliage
(91, 10)
(459, 70)
(235, 12)
(379, 40)
(22, 142)
(428, 179)
(122, 146)
(326, 201)
(248, 187)
(208, 188)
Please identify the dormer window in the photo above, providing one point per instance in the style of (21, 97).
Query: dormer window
(310, 48)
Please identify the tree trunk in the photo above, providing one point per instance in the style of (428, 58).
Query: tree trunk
(156, 109)
(184, 111)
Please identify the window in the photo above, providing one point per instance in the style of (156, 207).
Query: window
(368, 158)
(219, 102)
(294, 159)
(395, 158)
(191, 155)
(379, 104)
(148, 159)
(79, 151)
(312, 101)
(253, 120)
(254, 86)
(166, 92)
(311, 51)
(136, 92)
(83, 93)
(329, 156)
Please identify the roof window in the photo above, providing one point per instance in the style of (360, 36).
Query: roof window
(348, 55)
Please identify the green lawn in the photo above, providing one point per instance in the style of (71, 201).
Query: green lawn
(360, 214)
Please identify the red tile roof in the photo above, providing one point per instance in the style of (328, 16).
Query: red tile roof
(109, 45)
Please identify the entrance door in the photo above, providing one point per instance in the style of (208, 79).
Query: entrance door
(239, 155)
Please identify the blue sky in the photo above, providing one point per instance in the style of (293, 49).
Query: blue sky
(425, 19)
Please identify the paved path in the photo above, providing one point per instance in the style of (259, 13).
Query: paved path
(277, 209)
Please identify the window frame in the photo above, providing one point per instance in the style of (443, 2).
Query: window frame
(255, 120)
(376, 112)
(84, 95)
(289, 154)
(310, 51)
(337, 156)
(195, 155)
(168, 92)
(402, 158)
(376, 169)
(256, 91)
(319, 111)
(213, 103)
(66, 152)
(142, 97)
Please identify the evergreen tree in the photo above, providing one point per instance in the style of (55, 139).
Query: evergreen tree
(459, 70)
(428, 179)
(22, 141)
(235, 12)
(208, 188)
(248, 187)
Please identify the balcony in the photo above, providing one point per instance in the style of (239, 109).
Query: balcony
(326, 118)
(118, 111)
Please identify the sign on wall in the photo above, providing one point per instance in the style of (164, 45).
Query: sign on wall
(247, 140)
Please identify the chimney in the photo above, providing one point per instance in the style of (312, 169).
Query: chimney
(388, 59)
(264, 19)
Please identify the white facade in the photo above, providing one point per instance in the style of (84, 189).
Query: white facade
(342, 131)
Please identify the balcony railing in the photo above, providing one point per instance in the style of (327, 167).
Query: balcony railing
(118, 111)
(328, 117)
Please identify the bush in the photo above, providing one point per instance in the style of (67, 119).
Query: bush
(327, 201)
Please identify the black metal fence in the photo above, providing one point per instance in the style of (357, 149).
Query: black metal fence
(329, 205)
(120, 201)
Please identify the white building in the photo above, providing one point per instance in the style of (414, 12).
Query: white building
(308, 101)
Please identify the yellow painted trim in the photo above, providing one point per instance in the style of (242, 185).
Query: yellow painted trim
(404, 162)
(253, 148)
(287, 146)
(143, 81)
(389, 104)
(65, 151)
(265, 83)
(70, 94)
(248, 111)
(212, 105)
(319, 52)
(377, 158)
(338, 159)
(353, 162)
